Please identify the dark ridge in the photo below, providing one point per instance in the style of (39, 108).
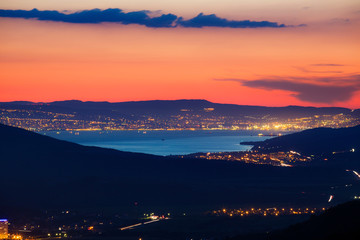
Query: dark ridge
(315, 141)
(165, 108)
(337, 223)
(53, 173)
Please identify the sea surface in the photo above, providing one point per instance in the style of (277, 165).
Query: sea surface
(163, 142)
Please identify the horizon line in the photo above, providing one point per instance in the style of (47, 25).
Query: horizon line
(170, 100)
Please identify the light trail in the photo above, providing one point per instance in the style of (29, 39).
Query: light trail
(156, 220)
(131, 226)
(139, 224)
(355, 172)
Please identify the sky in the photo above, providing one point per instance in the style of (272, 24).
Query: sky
(258, 52)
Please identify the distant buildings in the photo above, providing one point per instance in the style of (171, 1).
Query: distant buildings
(4, 228)
(283, 159)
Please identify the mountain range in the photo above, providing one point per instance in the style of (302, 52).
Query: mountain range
(171, 107)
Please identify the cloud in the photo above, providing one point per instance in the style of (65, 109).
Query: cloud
(145, 18)
(95, 16)
(314, 68)
(212, 20)
(306, 70)
(306, 90)
(340, 20)
(327, 65)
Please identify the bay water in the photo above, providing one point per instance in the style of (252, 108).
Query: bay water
(163, 142)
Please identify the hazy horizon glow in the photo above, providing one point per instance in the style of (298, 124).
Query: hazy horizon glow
(317, 64)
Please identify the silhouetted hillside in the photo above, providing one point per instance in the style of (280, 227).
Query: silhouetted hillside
(23, 152)
(315, 141)
(337, 223)
(165, 108)
(339, 147)
(41, 171)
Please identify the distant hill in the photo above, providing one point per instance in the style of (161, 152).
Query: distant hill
(165, 108)
(337, 223)
(41, 171)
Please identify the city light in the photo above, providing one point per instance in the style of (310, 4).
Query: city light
(280, 159)
(266, 212)
(40, 120)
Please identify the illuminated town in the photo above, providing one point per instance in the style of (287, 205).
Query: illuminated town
(282, 159)
(37, 120)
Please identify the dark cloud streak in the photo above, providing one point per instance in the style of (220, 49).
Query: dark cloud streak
(302, 69)
(95, 16)
(212, 20)
(116, 15)
(327, 65)
(308, 91)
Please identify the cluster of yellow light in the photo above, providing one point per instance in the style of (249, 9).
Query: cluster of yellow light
(266, 211)
(284, 159)
(16, 236)
(30, 119)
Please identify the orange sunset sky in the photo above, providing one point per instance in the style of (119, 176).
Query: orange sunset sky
(313, 60)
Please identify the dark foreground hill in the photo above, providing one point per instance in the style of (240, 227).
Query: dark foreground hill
(337, 223)
(341, 146)
(44, 172)
(315, 141)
